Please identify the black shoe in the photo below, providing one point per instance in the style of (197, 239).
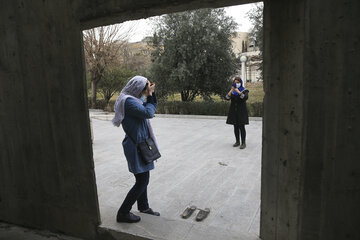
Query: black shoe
(151, 212)
(127, 217)
(243, 145)
(236, 144)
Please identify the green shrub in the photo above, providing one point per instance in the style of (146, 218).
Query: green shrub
(101, 104)
(204, 108)
(255, 109)
(220, 108)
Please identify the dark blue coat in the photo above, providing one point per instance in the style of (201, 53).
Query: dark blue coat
(135, 124)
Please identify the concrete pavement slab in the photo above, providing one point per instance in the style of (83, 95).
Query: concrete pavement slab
(198, 167)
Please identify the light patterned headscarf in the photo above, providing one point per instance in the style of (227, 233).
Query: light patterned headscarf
(132, 89)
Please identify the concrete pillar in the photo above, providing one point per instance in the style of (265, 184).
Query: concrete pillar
(47, 178)
(331, 193)
(283, 119)
(310, 165)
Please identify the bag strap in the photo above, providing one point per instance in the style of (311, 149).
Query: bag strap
(130, 137)
(147, 125)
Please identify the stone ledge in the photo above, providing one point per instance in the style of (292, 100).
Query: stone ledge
(105, 116)
(160, 228)
(14, 232)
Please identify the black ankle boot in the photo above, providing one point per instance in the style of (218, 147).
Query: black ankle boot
(151, 212)
(236, 144)
(127, 217)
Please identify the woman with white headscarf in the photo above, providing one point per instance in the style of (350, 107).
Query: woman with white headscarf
(134, 107)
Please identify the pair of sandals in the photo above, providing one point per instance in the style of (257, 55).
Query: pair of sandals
(202, 214)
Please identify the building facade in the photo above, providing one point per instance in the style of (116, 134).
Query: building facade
(243, 46)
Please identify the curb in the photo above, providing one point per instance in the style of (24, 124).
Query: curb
(108, 116)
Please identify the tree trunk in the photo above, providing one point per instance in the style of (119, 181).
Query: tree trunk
(107, 97)
(188, 95)
(192, 96)
(93, 94)
(184, 96)
(108, 107)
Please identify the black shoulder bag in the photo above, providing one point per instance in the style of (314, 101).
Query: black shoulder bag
(147, 149)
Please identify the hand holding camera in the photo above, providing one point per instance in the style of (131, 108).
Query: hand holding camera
(151, 88)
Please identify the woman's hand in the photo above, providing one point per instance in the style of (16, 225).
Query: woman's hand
(151, 88)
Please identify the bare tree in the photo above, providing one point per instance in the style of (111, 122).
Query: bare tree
(256, 35)
(101, 47)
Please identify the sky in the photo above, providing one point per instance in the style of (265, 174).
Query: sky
(144, 27)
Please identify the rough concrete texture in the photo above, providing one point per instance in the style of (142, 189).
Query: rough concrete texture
(13, 232)
(198, 167)
(310, 151)
(47, 173)
(282, 136)
(311, 167)
(95, 12)
(331, 174)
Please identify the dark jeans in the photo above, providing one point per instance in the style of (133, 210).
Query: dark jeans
(240, 127)
(137, 193)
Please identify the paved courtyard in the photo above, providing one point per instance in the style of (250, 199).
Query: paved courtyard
(198, 167)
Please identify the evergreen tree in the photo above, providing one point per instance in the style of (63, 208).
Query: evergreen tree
(193, 53)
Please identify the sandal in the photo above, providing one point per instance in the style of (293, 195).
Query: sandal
(202, 214)
(188, 211)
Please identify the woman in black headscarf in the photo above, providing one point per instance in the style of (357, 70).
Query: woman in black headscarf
(238, 113)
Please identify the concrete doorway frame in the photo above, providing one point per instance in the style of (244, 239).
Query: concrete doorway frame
(310, 161)
(118, 231)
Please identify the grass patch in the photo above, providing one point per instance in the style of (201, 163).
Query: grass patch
(256, 94)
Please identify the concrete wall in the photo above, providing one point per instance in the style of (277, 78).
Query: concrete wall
(47, 176)
(331, 177)
(46, 168)
(237, 41)
(310, 156)
(311, 167)
(283, 119)
(101, 12)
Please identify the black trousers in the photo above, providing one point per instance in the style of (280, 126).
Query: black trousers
(137, 193)
(240, 128)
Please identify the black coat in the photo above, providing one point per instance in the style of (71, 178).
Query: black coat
(238, 113)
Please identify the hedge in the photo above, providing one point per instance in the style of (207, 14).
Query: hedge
(205, 108)
(101, 104)
(193, 108)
